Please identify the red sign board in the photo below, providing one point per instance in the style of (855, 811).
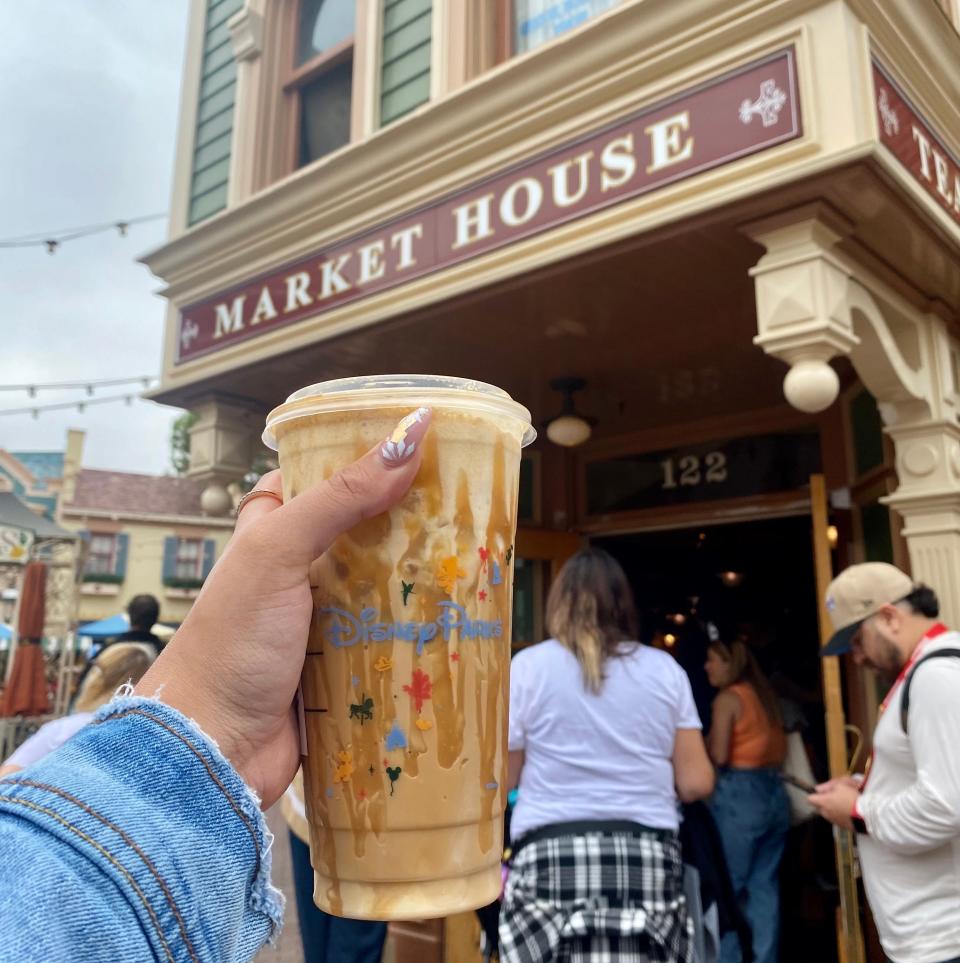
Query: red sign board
(733, 116)
(915, 145)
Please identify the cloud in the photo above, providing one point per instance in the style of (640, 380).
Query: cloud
(90, 101)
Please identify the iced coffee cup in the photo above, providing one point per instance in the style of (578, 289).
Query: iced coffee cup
(406, 679)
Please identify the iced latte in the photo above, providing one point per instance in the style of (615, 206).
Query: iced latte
(406, 679)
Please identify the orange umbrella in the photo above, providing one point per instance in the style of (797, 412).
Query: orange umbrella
(26, 691)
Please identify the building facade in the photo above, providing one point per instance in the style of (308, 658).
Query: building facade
(737, 221)
(140, 534)
(35, 478)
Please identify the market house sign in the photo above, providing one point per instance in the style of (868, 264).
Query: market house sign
(915, 145)
(733, 116)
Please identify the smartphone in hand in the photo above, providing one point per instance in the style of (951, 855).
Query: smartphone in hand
(806, 787)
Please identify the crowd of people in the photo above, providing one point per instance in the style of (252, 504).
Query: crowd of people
(635, 835)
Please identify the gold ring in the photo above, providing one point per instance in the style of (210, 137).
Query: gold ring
(256, 493)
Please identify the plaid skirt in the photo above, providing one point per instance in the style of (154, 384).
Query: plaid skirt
(602, 897)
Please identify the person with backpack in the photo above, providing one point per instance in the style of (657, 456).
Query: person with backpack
(906, 807)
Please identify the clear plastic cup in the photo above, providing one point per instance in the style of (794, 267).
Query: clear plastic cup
(406, 679)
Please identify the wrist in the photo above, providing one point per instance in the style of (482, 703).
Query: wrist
(856, 818)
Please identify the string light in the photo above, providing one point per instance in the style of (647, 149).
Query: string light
(80, 406)
(88, 386)
(53, 240)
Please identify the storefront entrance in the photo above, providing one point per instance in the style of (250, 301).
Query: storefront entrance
(754, 580)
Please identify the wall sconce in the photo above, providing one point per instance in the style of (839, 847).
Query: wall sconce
(833, 536)
(569, 428)
(731, 579)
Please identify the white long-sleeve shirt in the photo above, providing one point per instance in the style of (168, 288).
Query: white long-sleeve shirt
(911, 806)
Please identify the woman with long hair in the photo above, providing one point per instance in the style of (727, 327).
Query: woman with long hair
(749, 805)
(604, 739)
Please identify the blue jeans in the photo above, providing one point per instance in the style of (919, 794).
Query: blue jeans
(326, 938)
(752, 813)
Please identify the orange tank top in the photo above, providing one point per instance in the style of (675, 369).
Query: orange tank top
(755, 741)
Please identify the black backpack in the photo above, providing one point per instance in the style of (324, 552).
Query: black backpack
(905, 698)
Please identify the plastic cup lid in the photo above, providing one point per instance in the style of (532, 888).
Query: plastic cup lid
(358, 394)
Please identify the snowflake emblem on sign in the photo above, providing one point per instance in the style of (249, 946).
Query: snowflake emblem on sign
(767, 106)
(891, 122)
(188, 334)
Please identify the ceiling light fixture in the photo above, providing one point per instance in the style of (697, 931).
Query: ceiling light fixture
(569, 428)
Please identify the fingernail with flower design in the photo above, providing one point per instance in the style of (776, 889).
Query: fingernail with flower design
(399, 448)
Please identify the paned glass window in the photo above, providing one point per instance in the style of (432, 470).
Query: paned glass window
(537, 22)
(189, 558)
(322, 78)
(101, 555)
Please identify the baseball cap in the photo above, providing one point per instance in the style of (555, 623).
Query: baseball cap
(857, 593)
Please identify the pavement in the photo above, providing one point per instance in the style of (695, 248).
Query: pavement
(287, 948)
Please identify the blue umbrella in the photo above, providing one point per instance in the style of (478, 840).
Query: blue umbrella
(114, 625)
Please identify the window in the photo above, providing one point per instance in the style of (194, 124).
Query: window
(531, 23)
(189, 561)
(322, 77)
(101, 555)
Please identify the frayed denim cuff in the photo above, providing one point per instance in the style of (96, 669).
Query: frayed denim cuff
(144, 794)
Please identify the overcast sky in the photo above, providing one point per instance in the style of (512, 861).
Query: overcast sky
(89, 95)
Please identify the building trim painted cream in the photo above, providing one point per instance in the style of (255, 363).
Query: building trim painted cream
(204, 521)
(524, 107)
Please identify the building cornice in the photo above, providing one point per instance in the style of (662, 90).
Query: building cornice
(202, 521)
(551, 95)
(637, 54)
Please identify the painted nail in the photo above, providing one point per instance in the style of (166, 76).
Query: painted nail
(399, 448)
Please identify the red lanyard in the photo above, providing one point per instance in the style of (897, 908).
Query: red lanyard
(936, 630)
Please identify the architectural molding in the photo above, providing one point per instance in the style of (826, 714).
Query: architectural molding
(246, 32)
(814, 304)
(73, 514)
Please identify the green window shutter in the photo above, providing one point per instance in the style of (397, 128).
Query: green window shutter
(218, 88)
(209, 556)
(120, 558)
(169, 557)
(405, 74)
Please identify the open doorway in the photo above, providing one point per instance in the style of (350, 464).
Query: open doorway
(755, 580)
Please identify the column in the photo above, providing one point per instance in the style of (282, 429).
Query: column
(224, 443)
(928, 472)
(249, 115)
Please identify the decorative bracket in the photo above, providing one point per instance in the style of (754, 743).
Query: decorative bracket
(246, 33)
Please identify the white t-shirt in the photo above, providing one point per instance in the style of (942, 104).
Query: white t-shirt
(911, 805)
(604, 756)
(51, 735)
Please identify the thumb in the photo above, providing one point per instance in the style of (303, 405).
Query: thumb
(308, 523)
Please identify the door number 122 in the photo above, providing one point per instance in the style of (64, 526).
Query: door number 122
(688, 471)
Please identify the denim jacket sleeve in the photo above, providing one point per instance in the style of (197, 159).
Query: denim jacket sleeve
(134, 841)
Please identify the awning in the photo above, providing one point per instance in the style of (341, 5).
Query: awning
(105, 628)
(17, 514)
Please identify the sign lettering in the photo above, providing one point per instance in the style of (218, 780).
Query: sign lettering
(914, 143)
(345, 630)
(732, 468)
(733, 116)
